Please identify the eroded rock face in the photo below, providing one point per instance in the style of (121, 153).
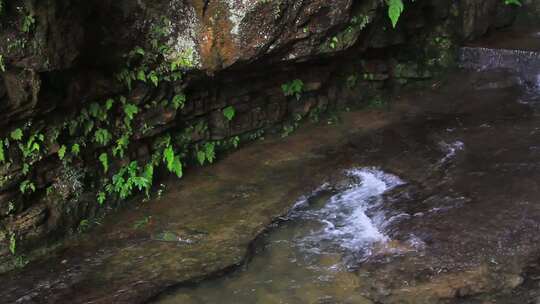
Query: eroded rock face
(530, 15)
(223, 33)
(69, 39)
(480, 16)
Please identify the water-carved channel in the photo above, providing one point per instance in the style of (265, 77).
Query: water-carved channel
(309, 254)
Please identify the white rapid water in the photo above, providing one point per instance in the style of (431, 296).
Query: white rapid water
(350, 221)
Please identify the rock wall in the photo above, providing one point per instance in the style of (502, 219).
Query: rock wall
(530, 14)
(135, 80)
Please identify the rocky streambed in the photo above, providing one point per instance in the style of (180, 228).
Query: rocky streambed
(454, 219)
(433, 200)
(461, 225)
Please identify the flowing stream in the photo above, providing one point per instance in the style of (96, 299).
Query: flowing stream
(309, 254)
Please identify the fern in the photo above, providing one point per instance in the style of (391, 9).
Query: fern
(121, 185)
(209, 149)
(104, 160)
(102, 137)
(27, 186)
(178, 101)
(513, 2)
(131, 177)
(141, 75)
(109, 104)
(229, 112)
(235, 141)
(101, 197)
(12, 244)
(172, 161)
(97, 112)
(94, 110)
(201, 157)
(121, 145)
(2, 152)
(395, 9)
(168, 156)
(148, 174)
(32, 146)
(75, 149)
(2, 64)
(28, 23)
(206, 154)
(16, 134)
(154, 78)
(62, 152)
(293, 88)
(130, 110)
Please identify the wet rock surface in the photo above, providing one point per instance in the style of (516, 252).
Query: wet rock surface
(462, 229)
(470, 163)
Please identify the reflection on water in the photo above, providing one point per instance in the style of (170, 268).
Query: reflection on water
(305, 259)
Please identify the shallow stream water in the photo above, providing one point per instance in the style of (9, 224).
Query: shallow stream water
(307, 257)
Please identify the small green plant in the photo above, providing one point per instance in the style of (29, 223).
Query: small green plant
(76, 149)
(104, 160)
(229, 113)
(102, 137)
(179, 101)
(27, 187)
(12, 244)
(16, 134)
(207, 153)
(513, 2)
(173, 162)
(334, 42)
(84, 225)
(101, 196)
(32, 147)
(2, 152)
(28, 23)
(2, 64)
(121, 145)
(130, 177)
(293, 88)
(235, 141)
(62, 152)
(395, 9)
(130, 110)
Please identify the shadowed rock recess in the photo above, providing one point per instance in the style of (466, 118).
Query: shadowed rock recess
(103, 104)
